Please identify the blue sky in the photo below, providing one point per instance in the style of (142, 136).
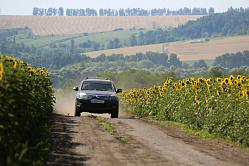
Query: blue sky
(25, 7)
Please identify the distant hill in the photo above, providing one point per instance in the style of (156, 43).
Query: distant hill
(62, 25)
(231, 23)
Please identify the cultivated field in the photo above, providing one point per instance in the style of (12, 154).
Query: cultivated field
(187, 51)
(59, 25)
(209, 50)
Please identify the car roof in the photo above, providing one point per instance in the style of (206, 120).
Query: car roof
(97, 80)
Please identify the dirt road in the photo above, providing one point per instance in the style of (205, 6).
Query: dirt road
(83, 141)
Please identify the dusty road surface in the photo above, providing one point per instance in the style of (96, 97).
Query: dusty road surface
(83, 141)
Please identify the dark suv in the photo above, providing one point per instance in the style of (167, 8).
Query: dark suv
(97, 95)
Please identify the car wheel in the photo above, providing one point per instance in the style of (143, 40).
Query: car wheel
(114, 113)
(77, 112)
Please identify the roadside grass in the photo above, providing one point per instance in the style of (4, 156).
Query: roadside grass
(203, 133)
(122, 139)
(109, 128)
(103, 123)
(135, 146)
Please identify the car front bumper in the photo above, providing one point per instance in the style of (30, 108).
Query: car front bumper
(87, 106)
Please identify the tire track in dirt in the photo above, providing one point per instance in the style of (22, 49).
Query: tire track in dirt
(168, 147)
(82, 141)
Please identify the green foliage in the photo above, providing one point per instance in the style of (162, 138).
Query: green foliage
(233, 60)
(25, 107)
(201, 63)
(72, 46)
(220, 24)
(215, 72)
(242, 72)
(137, 78)
(175, 61)
(52, 45)
(209, 62)
(133, 40)
(101, 64)
(68, 66)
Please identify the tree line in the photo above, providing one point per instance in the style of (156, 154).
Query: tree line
(233, 60)
(231, 23)
(59, 60)
(121, 12)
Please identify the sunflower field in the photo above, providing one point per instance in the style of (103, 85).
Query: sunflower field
(26, 104)
(219, 106)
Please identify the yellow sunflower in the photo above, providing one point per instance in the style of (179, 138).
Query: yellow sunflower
(238, 77)
(219, 80)
(1, 71)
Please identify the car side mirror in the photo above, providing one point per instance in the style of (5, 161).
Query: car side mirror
(75, 88)
(119, 91)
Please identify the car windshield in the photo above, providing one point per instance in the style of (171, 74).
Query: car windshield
(98, 86)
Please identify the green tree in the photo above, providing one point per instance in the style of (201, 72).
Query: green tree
(116, 43)
(141, 38)
(72, 46)
(133, 40)
(160, 38)
(52, 45)
(101, 58)
(145, 64)
(49, 12)
(95, 46)
(201, 63)
(68, 12)
(61, 11)
(215, 72)
(3, 47)
(175, 61)
(110, 45)
(241, 72)
(211, 10)
(35, 11)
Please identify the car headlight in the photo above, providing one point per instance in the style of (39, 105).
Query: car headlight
(82, 96)
(113, 97)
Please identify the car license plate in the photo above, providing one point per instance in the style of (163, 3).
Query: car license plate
(97, 101)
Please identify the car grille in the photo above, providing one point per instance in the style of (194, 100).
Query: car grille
(99, 97)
